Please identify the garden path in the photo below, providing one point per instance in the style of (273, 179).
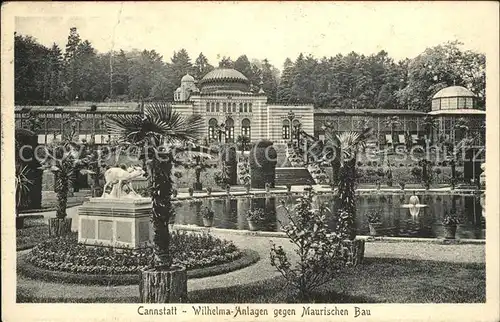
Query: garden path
(469, 253)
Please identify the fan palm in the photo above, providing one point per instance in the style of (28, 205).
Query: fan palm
(341, 149)
(163, 132)
(22, 184)
(429, 123)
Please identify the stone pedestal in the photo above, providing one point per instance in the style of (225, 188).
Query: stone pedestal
(112, 222)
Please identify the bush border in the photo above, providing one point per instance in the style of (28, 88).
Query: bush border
(24, 268)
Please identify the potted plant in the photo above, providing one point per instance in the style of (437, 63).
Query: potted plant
(174, 193)
(378, 183)
(247, 187)
(208, 217)
(209, 191)
(228, 188)
(450, 223)
(288, 187)
(190, 191)
(388, 174)
(254, 216)
(374, 222)
(402, 184)
(268, 187)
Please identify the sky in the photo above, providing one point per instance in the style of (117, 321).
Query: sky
(272, 30)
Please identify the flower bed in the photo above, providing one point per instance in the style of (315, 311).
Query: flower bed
(190, 250)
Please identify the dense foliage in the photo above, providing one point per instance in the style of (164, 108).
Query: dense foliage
(321, 253)
(262, 160)
(188, 249)
(48, 76)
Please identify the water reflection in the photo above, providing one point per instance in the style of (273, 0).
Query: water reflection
(230, 213)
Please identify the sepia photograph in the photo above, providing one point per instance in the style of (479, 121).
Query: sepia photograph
(251, 160)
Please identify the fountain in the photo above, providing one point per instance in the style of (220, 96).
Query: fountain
(414, 206)
(117, 219)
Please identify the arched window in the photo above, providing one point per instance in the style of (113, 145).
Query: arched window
(296, 126)
(212, 125)
(212, 107)
(229, 130)
(224, 108)
(208, 107)
(234, 107)
(245, 107)
(217, 107)
(245, 127)
(241, 107)
(250, 107)
(285, 131)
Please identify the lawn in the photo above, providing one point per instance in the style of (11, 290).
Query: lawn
(378, 280)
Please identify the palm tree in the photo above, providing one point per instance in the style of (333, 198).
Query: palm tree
(429, 123)
(345, 147)
(341, 151)
(392, 122)
(243, 141)
(63, 158)
(164, 132)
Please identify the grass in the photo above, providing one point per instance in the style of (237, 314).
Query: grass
(377, 280)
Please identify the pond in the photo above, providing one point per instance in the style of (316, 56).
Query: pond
(230, 213)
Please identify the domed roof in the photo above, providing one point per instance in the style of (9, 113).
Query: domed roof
(454, 91)
(187, 78)
(224, 74)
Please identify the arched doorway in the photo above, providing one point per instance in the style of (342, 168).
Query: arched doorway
(212, 126)
(229, 130)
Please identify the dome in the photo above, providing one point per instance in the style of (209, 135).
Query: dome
(224, 80)
(224, 74)
(454, 91)
(178, 90)
(187, 78)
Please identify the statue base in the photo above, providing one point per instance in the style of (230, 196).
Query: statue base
(111, 222)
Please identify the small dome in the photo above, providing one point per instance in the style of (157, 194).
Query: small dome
(454, 91)
(187, 78)
(178, 90)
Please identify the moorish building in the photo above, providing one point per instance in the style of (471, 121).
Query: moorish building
(231, 107)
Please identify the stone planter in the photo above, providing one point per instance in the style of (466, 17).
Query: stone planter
(163, 285)
(208, 222)
(449, 231)
(374, 228)
(253, 225)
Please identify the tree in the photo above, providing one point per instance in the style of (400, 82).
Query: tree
(242, 64)
(164, 132)
(393, 123)
(284, 87)
(269, 81)
(438, 67)
(63, 159)
(201, 67)
(226, 62)
(429, 123)
(242, 141)
(141, 68)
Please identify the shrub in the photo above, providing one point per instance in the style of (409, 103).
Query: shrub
(401, 165)
(416, 172)
(437, 171)
(189, 249)
(207, 213)
(256, 214)
(262, 161)
(450, 218)
(359, 163)
(369, 163)
(374, 163)
(373, 217)
(321, 253)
